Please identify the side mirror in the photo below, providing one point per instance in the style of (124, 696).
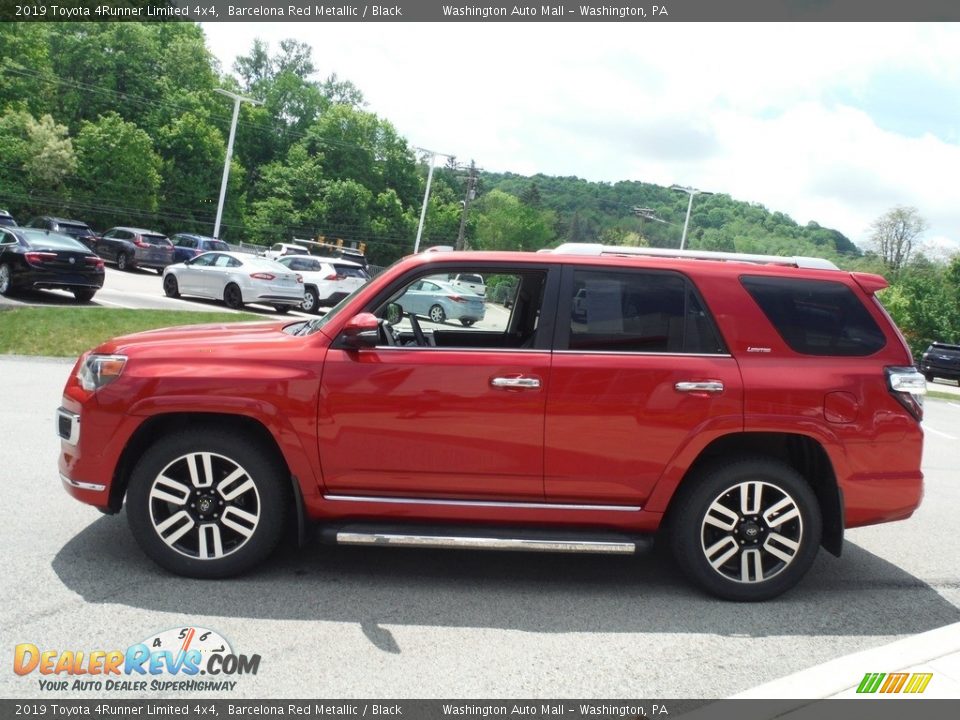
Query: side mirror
(394, 313)
(361, 331)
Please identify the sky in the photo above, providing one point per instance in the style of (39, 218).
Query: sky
(831, 122)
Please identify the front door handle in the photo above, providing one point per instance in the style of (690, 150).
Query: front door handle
(518, 383)
(708, 386)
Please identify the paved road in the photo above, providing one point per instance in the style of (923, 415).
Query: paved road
(363, 622)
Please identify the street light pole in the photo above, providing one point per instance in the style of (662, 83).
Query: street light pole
(686, 223)
(237, 99)
(426, 196)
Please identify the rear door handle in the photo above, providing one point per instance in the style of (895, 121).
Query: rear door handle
(708, 386)
(518, 383)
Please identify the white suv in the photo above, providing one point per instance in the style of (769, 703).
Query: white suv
(325, 281)
(279, 250)
(469, 282)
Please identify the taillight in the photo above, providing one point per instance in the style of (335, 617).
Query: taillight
(140, 243)
(300, 278)
(908, 386)
(456, 298)
(95, 261)
(262, 276)
(331, 276)
(38, 258)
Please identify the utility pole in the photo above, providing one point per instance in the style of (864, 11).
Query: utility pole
(471, 194)
(237, 99)
(691, 192)
(426, 196)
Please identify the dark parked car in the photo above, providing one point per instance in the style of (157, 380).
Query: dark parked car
(131, 248)
(7, 219)
(39, 259)
(941, 360)
(77, 229)
(186, 246)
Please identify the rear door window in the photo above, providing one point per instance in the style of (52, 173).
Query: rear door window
(638, 311)
(816, 317)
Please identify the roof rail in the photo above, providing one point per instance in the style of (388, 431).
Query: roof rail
(598, 249)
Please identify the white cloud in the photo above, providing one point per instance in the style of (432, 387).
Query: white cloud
(769, 113)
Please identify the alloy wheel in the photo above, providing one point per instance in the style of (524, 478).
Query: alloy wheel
(751, 532)
(4, 279)
(204, 505)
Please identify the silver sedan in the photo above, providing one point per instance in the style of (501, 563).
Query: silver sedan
(440, 301)
(235, 278)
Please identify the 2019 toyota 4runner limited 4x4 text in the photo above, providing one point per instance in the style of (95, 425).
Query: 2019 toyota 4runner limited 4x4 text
(748, 409)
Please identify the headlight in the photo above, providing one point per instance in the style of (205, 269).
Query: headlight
(99, 370)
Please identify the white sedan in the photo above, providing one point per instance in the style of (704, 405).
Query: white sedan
(326, 281)
(235, 278)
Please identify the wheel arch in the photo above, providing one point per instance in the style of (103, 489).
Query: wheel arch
(160, 425)
(801, 452)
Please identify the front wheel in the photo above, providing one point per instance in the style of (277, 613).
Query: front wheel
(467, 323)
(6, 280)
(207, 504)
(748, 530)
(232, 296)
(282, 309)
(123, 261)
(437, 314)
(311, 300)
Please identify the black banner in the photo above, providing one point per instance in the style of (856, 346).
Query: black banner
(240, 709)
(482, 11)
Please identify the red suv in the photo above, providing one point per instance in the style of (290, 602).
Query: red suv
(749, 408)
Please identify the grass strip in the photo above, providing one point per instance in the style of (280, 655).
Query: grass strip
(68, 332)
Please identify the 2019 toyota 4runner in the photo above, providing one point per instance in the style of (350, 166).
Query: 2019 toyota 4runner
(748, 409)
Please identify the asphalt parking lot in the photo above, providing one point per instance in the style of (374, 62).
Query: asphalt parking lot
(364, 622)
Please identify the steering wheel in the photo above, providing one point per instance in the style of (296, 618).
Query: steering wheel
(418, 335)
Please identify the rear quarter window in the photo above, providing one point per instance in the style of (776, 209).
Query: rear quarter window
(816, 317)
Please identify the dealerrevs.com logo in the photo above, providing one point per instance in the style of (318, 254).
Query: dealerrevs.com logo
(181, 659)
(909, 683)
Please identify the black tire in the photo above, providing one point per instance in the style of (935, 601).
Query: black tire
(437, 314)
(311, 299)
(248, 512)
(83, 295)
(467, 323)
(929, 376)
(748, 550)
(282, 309)
(170, 286)
(6, 279)
(232, 297)
(124, 262)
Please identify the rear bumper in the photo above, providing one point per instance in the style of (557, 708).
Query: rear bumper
(46, 280)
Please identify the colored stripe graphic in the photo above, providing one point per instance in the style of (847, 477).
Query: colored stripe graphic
(895, 682)
(870, 682)
(918, 683)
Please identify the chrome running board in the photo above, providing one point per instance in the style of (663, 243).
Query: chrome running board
(481, 538)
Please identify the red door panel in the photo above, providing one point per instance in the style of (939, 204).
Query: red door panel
(614, 420)
(430, 423)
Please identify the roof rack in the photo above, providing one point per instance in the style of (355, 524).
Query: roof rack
(598, 249)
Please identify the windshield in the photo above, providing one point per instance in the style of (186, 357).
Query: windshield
(42, 239)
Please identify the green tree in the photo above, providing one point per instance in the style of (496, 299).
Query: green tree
(504, 223)
(36, 159)
(118, 172)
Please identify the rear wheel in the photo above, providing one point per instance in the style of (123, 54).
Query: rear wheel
(929, 376)
(282, 309)
(232, 296)
(311, 300)
(83, 294)
(170, 286)
(437, 314)
(207, 504)
(124, 262)
(467, 323)
(748, 530)
(6, 280)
